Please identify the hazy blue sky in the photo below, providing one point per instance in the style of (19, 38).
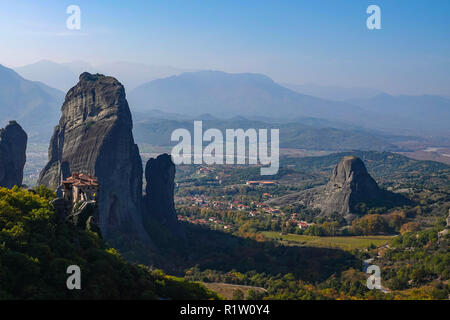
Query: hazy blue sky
(315, 41)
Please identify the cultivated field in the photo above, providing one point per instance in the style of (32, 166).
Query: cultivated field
(345, 243)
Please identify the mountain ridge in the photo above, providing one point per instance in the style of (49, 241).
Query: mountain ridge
(63, 76)
(33, 104)
(220, 93)
(251, 95)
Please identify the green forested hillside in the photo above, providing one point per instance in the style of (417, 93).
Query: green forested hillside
(35, 251)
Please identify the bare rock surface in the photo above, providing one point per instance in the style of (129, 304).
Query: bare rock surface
(13, 145)
(94, 136)
(159, 198)
(350, 185)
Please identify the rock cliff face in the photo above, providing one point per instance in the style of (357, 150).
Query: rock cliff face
(94, 136)
(350, 185)
(13, 145)
(158, 201)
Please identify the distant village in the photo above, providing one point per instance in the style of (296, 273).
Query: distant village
(253, 208)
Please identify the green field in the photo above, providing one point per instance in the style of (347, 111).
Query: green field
(345, 243)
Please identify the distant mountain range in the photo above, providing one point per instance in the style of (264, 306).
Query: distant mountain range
(295, 135)
(132, 75)
(418, 112)
(220, 95)
(255, 95)
(333, 92)
(64, 76)
(33, 104)
(224, 94)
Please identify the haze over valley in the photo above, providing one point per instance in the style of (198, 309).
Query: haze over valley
(163, 99)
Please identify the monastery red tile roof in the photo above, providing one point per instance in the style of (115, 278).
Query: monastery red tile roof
(80, 179)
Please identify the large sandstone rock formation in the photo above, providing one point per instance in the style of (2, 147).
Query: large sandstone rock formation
(13, 145)
(159, 201)
(94, 136)
(350, 186)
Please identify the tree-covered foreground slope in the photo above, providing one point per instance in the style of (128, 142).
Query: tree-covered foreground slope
(35, 251)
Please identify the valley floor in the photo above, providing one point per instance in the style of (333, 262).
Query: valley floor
(345, 243)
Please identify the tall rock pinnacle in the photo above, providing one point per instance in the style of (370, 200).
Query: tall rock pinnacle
(349, 185)
(13, 145)
(159, 201)
(94, 136)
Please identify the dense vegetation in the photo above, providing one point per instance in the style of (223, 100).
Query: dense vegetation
(418, 259)
(416, 266)
(36, 249)
(349, 284)
(223, 252)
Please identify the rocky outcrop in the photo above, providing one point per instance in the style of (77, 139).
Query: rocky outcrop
(350, 188)
(350, 184)
(94, 136)
(446, 231)
(159, 198)
(84, 217)
(13, 145)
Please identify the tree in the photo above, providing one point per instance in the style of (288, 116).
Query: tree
(253, 294)
(369, 225)
(409, 227)
(238, 294)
